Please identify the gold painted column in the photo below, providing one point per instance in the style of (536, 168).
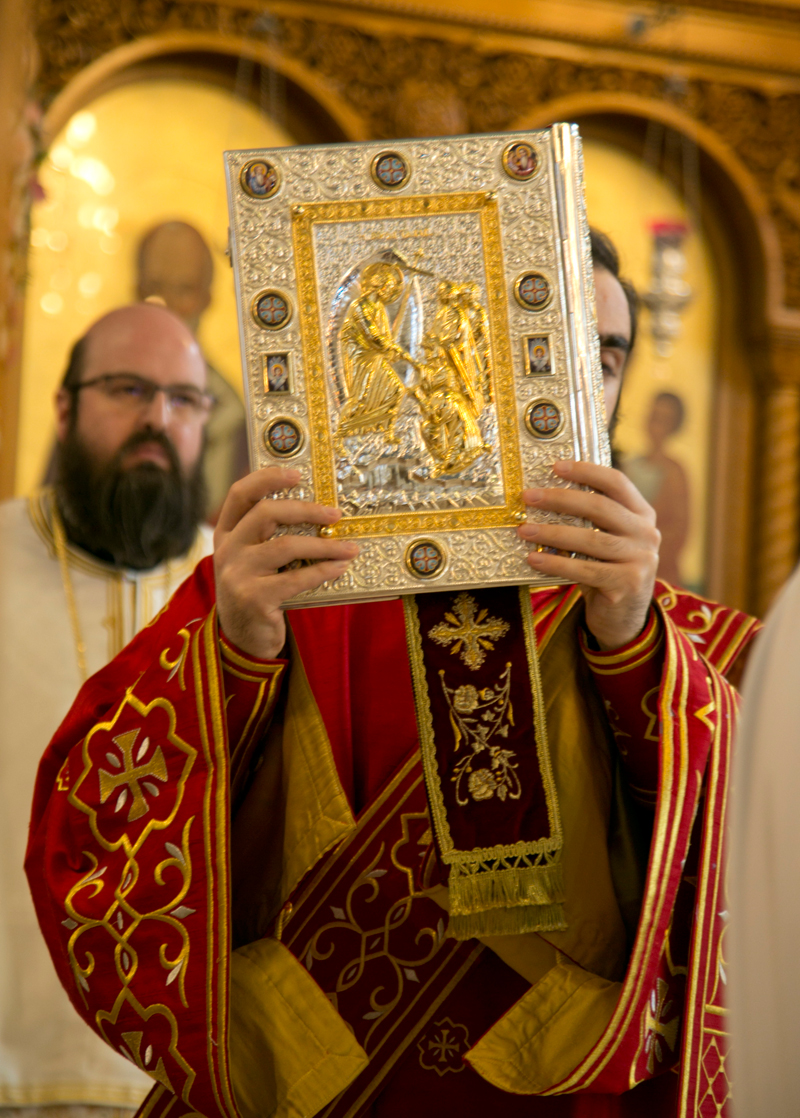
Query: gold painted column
(778, 516)
(18, 119)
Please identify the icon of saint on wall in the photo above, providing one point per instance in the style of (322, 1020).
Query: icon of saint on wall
(663, 482)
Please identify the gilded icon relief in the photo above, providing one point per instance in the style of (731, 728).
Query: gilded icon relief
(416, 407)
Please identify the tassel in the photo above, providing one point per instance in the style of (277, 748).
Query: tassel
(508, 921)
(481, 889)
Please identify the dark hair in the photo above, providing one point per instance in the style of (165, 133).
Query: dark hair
(605, 255)
(77, 360)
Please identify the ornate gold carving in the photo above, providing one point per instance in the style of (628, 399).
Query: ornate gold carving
(777, 544)
(374, 390)
(455, 385)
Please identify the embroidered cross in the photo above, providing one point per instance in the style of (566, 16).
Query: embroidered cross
(443, 1047)
(131, 775)
(656, 1027)
(469, 634)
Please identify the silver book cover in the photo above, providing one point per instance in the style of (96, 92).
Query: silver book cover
(419, 340)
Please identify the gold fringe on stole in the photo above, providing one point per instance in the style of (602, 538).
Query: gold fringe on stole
(507, 901)
(505, 887)
(500, 890)
(508, 921)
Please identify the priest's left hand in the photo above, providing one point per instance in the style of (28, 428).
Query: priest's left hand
(618, 577)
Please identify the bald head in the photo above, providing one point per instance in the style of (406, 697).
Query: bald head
(144, 339)
(175, 264)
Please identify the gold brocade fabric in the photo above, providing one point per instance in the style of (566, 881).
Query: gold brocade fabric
(581, 756)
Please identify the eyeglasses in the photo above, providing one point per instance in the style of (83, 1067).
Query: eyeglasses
(134, 393)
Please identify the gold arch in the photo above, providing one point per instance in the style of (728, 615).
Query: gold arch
(583, 104)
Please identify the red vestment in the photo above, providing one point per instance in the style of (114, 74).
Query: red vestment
(131, 842)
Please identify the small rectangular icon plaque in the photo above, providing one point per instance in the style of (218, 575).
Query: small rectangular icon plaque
(418, 339)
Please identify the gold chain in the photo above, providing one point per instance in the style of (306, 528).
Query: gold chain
(60, 538)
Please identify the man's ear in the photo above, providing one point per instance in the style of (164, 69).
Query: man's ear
(64, 402)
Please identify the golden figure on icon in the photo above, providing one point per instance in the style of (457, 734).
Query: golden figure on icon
(451, 379)
(369, 353)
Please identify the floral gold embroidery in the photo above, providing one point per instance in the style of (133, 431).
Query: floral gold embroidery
(470, 632)
(477, 716)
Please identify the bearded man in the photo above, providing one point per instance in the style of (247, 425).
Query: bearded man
(83, 566)
(243, 888)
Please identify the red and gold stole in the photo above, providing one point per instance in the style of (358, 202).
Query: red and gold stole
(485, 756)
(377, 946)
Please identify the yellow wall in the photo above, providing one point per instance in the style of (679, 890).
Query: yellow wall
(623, 196)
(143, 153)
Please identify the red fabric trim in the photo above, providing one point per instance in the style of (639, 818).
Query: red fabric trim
(626, 655)
(232, 654)
(628, 680)
(718, 633)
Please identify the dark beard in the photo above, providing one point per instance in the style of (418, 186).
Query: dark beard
(136, 517)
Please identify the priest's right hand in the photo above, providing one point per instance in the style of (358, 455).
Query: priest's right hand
(248, 559)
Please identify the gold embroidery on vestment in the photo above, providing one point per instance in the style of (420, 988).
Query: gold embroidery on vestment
(509, 888)
(476, 716)
(475, 635)
(656, 1027)
(179, 663)
(132, 776)
(442, 1047)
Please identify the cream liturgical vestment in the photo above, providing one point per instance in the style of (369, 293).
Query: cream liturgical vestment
(48, 604)
(765, 872)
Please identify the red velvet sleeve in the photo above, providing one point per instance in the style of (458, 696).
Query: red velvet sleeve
(628, 680)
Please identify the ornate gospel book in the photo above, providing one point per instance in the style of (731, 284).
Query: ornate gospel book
(418, 339)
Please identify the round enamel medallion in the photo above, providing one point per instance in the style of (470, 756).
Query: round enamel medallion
(390, 170)
(260, 179)
(272, 309)
(520, 160)
(283, 437)
(533, 291)
(425, 559)
(544, 419)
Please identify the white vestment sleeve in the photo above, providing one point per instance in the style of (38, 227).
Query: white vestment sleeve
(765, 873)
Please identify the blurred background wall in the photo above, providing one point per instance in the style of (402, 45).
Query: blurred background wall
(691, 123)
